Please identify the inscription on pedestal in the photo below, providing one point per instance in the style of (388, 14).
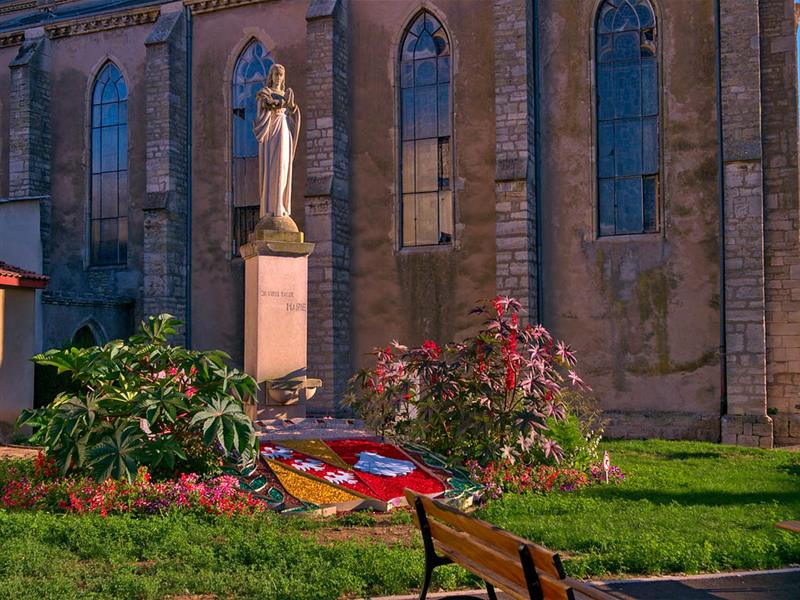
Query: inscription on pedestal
(276, 318)
(283, 295)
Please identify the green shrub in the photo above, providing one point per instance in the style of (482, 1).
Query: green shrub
(578, 446)
(144, 403)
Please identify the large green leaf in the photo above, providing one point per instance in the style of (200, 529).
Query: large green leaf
(224, 421)
(38, 419)
(70, 360)
(117, 455)
(71, 453)
(156, 408)
(73, 419)
(163, 451)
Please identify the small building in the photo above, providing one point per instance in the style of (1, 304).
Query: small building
(17, 338)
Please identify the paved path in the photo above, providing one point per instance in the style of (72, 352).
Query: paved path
(18, 452)
(782, 584)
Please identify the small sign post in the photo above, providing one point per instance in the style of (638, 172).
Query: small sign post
(606, 464)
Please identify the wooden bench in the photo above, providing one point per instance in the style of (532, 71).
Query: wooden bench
(521, 569)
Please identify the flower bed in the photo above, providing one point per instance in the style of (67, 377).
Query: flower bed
(513, 477)
(42, 490)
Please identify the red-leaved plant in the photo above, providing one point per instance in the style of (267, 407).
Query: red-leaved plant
(485, 398)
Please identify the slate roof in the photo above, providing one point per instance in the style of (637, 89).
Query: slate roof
(18, 277)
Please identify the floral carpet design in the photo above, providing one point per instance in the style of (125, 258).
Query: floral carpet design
(347, 474)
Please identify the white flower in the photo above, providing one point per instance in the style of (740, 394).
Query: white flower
(373, 463)
(340, 477)
(276, 452)
(308, 464)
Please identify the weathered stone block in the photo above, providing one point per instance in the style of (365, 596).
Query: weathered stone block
(762, 429)
(751, 441)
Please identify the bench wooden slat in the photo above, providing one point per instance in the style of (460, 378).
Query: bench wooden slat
(545, 560)
(489, 576)
(475, 550)
(552, 589)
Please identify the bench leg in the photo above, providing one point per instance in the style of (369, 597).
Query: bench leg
(490, 591)
(427, 583)
(432, 560)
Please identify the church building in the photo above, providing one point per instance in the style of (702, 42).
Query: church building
(628, 169)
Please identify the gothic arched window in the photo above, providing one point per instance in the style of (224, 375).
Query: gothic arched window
(249, 76)
(627, 118)
(426, 151)
(109, 185)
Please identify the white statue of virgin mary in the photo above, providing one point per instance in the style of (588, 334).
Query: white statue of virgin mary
(277, 142)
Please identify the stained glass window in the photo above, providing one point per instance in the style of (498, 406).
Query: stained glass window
(109, 185)
(627, 117)
(425, 115)
(249, 76)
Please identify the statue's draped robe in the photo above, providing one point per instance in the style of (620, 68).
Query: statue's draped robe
(275, 153)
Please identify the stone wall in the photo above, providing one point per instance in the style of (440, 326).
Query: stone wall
(641, 311)
(779, 125)
(30, 135)
(164, 265)
(327, 203)
(745, 318)
(29, 132)
(106, 296)
(515, 240)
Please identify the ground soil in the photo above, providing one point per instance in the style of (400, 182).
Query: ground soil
(384, 531)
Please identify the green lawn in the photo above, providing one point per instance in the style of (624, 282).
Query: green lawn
(684, 507)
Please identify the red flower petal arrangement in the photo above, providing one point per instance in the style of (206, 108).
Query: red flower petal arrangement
(388, 487)
(375, 471)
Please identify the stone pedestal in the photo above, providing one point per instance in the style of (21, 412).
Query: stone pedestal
(276, 318)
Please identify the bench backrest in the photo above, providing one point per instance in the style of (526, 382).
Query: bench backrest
(521, 569)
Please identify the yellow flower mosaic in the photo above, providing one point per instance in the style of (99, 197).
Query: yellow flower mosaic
(308, 489)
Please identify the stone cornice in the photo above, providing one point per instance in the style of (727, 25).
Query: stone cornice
(63, 299)
(15, 38)
(26, 5)
(206, 6)
(67, 28)
(23, 5)
(140, 16)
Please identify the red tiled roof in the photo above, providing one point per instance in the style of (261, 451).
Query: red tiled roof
(15, 276)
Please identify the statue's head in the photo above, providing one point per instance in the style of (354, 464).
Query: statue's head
(276, 78)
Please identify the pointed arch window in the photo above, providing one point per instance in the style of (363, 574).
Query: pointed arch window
(425, 125)
(249, 76)
(109, 184)
(628, 145)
